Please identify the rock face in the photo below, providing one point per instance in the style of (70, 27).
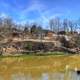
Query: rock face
(48, 43)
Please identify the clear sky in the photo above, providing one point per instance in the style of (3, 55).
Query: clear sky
(39, 10)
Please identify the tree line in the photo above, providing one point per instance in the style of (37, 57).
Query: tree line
(66, 25)
(56, 25)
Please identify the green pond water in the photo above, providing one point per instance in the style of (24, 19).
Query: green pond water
(37, 68)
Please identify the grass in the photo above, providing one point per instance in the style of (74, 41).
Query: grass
(36, 54)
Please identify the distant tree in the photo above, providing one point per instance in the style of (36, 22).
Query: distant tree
(39, 28)
(55, 24)
(26, 30)
(39, 32)
(58, 24)
(1, 22)
(65, 25)
(26, 27)
(51, 24)
(6, 26)
(7, 22)
(78, 25)
(33, 29)
(71, 26)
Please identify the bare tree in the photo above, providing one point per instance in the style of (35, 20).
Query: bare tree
(7, 22)
(65, 25)
(78, 25)
(71, 26)
(51, 24)
(58, 24)
(55, 24)
(1, 22)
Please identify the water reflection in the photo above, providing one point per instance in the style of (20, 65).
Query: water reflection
(56, 76)
(1, 78)
(20, 76)
(45, 76)
(72, 75)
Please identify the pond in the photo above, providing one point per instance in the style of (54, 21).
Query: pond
(39, 68)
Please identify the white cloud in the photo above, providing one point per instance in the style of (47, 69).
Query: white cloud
(35, 5)
(3, 15)
(42, 10)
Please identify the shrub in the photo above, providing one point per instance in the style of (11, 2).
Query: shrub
(28, 46)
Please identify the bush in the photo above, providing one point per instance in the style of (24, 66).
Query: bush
(28, 46)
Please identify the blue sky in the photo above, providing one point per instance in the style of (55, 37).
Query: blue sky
(39, 11)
